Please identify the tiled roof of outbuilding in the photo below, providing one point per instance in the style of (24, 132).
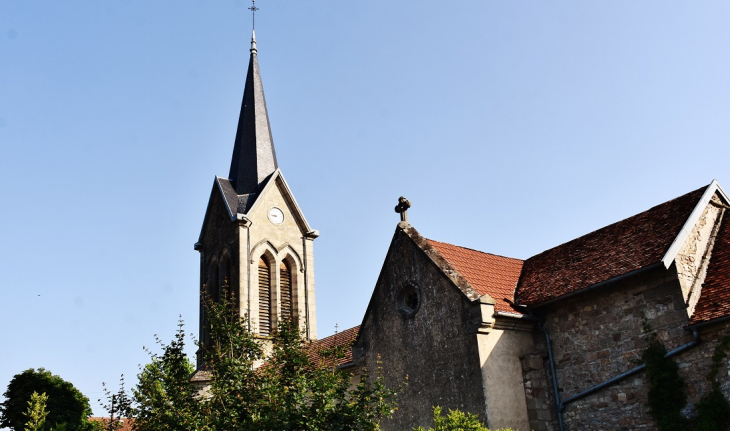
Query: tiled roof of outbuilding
(487, 273)
(714, 301)
(318, 350)
(614, 250)
(127, 424)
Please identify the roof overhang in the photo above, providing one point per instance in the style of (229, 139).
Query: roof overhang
(680, 239)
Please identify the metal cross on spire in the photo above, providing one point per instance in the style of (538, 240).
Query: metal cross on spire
(253, 10)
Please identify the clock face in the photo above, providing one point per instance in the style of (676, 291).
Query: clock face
(276, 216)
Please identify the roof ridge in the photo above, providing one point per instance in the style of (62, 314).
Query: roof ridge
(478, 251)
(337, 333)
(627, 245)
(619, 221)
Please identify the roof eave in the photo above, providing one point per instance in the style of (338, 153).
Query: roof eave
(231, 213)
(216, 185)
(597, 285)
(442, 263)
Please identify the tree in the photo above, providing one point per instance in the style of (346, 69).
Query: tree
(37, 412)
(164, 398)
(294, 389)
(118, 405)
(667, 390)
(67, 406)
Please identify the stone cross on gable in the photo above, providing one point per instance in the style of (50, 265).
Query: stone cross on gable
(402, 208)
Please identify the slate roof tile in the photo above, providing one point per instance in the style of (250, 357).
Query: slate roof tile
(229, 194)
(487, 273)
(714, 299)
(614, 250)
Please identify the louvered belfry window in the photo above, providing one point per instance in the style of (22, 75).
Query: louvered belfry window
(286, 294)
(264, 298)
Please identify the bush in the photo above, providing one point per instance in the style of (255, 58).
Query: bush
(456, 420)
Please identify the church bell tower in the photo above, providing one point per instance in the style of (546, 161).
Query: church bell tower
(255, 239)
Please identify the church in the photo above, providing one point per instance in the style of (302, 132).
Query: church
(552, 342)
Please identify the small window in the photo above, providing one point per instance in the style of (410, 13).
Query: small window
(408, 300)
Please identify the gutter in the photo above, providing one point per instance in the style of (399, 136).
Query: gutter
(602, 283)
(346, 365)
(697, 326)
(516, 316)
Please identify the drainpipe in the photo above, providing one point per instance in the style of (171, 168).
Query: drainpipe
(246, 223)
(248, 274)
(678, 350)
(306, 288)
(558, 404)
(311, 235)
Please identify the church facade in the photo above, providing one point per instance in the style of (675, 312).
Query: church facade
(552, 342)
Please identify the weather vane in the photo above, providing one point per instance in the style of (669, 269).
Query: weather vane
(253, 10)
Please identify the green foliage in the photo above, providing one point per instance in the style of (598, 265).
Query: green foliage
(164, 397)
(117, 405)
(302, 394)
(37, 412)
(456, 420)
(713, 410)
(667, 393)
(67, 407)
(293, 390)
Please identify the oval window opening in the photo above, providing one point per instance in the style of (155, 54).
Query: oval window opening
(408, 301)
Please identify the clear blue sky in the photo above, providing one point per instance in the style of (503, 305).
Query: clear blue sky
(512, 126)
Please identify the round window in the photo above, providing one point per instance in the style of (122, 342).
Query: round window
(408, 300)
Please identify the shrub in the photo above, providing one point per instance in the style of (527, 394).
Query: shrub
(456, 420)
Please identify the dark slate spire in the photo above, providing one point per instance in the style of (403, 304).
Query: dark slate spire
(254, 157)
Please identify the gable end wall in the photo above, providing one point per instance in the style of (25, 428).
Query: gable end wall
(436, 348)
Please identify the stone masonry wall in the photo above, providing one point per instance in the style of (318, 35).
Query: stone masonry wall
(538, 391)
(599, 334)
(281, 242)
(693, 256)
(695, 364)
(219, 246)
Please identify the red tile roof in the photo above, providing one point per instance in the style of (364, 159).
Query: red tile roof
(617, 249)
(126, 423)
(714, 300)
(487, 273)
(318, 350)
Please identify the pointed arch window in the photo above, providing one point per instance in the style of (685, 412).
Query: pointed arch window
(264, 298)
(285, 280)
(210, 294)
(225, 287)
